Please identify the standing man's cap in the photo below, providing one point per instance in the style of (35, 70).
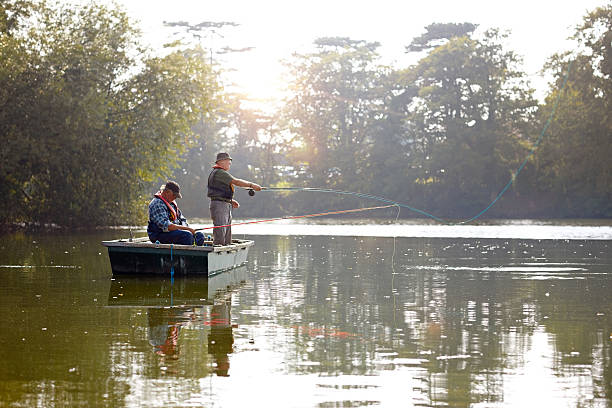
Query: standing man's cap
(176, 189)
(223, 156)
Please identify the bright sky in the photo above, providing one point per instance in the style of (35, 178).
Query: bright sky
(278, 28)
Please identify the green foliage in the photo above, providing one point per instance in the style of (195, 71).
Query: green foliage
(573, 166)
(437, 33)
(254, 145)
(87, 120)
(12, 15)
(91, 122)
(445, 135)
(472, 111)
(337, 94)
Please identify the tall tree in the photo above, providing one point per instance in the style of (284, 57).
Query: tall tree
(469, 117)
(337, 93)
(87, 118)
(251, 138)
(574, 160)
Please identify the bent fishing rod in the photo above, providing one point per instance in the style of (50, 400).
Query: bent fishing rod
(292, 217)
(390, 203)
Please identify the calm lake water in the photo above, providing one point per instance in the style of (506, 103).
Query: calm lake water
(515, 315)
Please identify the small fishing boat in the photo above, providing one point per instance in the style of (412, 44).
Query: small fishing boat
(140, 256)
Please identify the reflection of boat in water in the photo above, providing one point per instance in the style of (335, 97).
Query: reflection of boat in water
(157, 291)
(142, 257)
(189, 301)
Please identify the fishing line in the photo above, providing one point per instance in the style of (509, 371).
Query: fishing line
(361, 195)
(425, 213)
(292, 217)
(171, 267)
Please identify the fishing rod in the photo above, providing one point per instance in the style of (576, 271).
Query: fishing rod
(292, 217)
(361, 195)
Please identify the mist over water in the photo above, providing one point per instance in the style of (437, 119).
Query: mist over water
(316, 320)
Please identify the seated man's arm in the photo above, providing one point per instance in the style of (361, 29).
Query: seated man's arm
(182, 224)
(159, 216)
(174, 227)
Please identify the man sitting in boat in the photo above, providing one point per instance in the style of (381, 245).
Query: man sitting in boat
(221, 193)
(166, 222)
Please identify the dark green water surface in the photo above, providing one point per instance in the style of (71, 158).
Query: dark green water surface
(311, 321)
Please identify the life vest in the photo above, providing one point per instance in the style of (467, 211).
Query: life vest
(217, 190)
(173, 212)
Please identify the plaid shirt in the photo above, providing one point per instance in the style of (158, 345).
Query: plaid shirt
(159, 215)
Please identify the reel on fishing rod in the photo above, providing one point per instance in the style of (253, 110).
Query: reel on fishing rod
(252, 192)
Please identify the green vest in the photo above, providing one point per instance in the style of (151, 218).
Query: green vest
(220, 186)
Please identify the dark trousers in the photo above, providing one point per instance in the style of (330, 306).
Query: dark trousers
(177, 237)
(221, 214)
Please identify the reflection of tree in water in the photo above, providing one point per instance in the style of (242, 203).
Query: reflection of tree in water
(471, 324)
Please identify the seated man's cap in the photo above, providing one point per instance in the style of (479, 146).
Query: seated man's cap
(176, 189)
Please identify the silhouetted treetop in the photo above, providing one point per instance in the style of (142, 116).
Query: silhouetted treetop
(437, 33)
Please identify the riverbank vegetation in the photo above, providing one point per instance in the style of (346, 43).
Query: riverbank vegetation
(89, 118)
(91, 121)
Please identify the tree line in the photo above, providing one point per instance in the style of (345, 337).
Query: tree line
(91, 122)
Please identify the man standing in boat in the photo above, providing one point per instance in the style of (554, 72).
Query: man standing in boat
(166, 222)
(221, 193)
